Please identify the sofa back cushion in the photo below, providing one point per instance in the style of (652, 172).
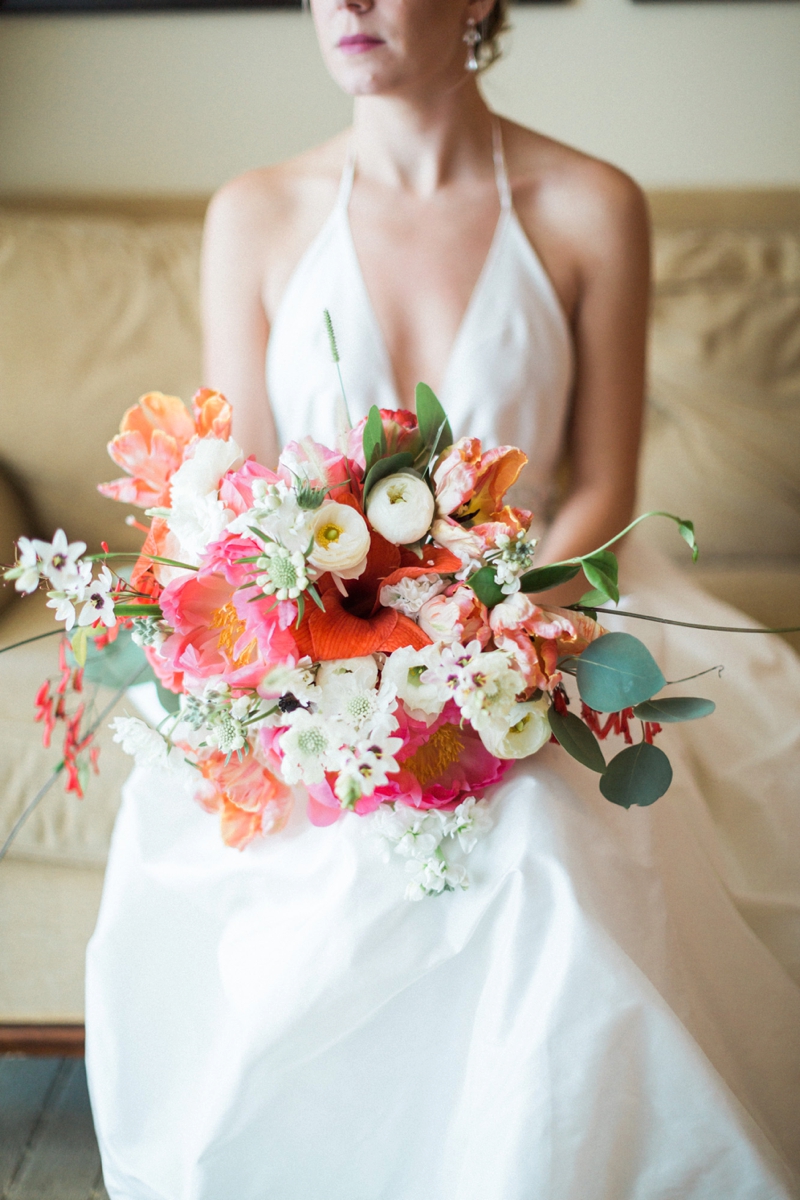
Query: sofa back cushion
(722, 440)
(94, 311)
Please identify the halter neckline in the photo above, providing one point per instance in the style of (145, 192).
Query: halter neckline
(498, 159)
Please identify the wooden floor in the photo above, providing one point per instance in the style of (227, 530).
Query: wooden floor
(48, 1150)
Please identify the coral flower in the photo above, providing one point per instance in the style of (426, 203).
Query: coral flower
(399, 427)
(248, 797)
(355, 625)
(536, 637)
(471, 485)
(152, 441)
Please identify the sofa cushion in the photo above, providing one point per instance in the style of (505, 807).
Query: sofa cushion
(722, 439)
(14, 523)
(94, 311)
(62, 829)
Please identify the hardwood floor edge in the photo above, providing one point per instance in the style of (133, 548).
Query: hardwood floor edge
(61, 1041)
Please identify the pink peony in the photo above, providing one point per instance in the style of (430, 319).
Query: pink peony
(218, 633)
(236, 489)
(317, 465)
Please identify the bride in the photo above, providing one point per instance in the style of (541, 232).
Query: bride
(612, 1009)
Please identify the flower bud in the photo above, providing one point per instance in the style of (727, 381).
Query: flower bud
(400, 508)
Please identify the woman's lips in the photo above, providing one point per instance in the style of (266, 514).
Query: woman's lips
(358, 43)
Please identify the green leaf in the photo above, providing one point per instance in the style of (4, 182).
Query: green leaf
(386, 466)
(686, 530)
(592, 598)
(617, 671)
(486, 587)
(601, 570)
(541, 579)
(668, 709)
(168, 700)
(637, 775)
(301, 608)
(116, 664)
(432, 419)
(577, 739)
(79, 645)
(373, 438)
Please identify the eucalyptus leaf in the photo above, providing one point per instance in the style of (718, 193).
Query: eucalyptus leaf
(117, 663)
(617, 671)
(374, 437)
(637, 775)
(669, 709)
(386, 466)
(541, 579)
(167, 699)
(486, 588)
(432, 420)
(577, 739)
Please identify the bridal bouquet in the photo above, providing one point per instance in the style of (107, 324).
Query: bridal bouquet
(360, 621)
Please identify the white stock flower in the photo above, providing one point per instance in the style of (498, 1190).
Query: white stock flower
(408, 595)
(147, 746)
(512, 558)
(433, 876)
(400, 508)
(99, 603)
(487, 688)
(341, 540)
(522, 731)
(197, 516)
(470, 821)
(406, 671)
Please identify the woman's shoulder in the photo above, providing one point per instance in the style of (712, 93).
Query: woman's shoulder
(270, 214)
(556, 180)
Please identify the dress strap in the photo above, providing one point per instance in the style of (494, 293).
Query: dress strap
(348, 175)
(500, 169)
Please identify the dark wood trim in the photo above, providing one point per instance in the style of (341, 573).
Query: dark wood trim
(58, 1041)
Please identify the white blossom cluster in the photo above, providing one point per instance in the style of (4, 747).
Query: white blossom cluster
(60, 563)
(512, 557)
(427, 840)
(338, 719)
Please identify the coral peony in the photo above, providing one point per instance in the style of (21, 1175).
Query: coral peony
(152, 442)
(248, 797)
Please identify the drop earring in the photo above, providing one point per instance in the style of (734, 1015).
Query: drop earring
(472, 37)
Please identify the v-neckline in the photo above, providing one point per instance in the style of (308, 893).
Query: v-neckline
(378, 336)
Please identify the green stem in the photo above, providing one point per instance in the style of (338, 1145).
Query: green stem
(26, 812)
(621, 612)
(138, 610)
(37, 638)
(167, 562)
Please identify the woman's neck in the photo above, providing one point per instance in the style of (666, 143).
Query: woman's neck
(423, 145)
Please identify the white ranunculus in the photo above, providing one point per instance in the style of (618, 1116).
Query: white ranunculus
(526, 732)
(341, 540)
(406, 674)
(400, 508)
(336, 672)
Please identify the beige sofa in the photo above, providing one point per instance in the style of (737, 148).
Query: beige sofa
(98, 303)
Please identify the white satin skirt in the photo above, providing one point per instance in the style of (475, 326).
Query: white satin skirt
(611, 1011)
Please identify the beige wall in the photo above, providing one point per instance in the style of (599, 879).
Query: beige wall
(679, 94)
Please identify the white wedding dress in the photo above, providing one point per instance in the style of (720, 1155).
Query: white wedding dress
(611, 1011)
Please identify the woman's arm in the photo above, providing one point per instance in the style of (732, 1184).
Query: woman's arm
(235, 326)
(611, 245)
